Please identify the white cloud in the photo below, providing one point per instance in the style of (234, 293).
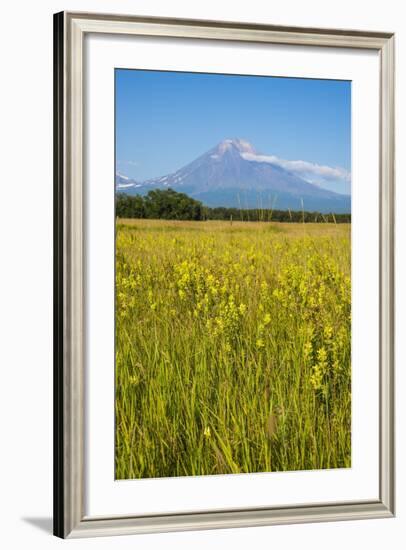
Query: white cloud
(125, 185)
(128, 162)
(317, 174)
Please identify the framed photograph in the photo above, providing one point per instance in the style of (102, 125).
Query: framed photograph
(224, 278)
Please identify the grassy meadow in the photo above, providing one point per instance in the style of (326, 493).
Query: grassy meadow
(232, 347)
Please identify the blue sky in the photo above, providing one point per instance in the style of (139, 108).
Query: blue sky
(165, 120)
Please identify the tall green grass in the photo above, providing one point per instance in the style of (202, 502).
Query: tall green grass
(232, 347)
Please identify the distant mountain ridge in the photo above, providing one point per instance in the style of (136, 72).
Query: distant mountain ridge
(233, 174)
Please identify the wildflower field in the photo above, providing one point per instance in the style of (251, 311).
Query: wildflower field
(232, 347)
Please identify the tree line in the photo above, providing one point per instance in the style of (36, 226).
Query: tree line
(168, 204)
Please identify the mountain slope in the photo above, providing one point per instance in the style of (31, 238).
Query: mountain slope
(233, 174)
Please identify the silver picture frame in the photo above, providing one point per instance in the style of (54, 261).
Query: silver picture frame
(70, 30)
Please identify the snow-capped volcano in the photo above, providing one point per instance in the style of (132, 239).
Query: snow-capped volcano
(233, 173)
